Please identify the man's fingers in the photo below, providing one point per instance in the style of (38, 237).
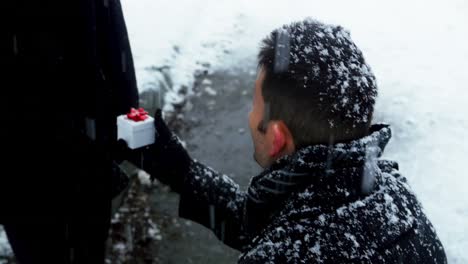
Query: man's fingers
(158, 114)
(122, 145)
(163, 131)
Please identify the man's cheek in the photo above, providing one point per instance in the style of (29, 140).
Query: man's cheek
(257, 158)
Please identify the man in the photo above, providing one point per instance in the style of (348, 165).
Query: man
(68, 72)
(325, 195)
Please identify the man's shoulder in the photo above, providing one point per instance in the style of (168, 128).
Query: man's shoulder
(283, 242)
(354, 231)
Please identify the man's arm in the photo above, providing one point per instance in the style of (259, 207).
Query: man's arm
(207, 197)
(215, 201)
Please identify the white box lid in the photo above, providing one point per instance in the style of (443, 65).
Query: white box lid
(125, 123)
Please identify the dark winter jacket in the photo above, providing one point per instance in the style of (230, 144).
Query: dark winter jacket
(67, 72)
(322, 204)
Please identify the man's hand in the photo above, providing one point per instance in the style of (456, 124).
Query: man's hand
(166, 159)
(122, 152)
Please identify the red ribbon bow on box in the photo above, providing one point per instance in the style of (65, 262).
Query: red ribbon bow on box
(137, 114)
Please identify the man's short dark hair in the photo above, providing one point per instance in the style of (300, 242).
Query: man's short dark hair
(317, 82)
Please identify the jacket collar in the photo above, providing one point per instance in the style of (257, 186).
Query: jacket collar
(349, 167)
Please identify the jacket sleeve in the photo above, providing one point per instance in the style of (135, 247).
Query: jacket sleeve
(215, 201)
(206, 196)
(116, 56)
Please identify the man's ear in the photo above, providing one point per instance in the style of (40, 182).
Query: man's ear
(279, 139)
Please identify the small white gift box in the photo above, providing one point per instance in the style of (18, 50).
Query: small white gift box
(137, 134)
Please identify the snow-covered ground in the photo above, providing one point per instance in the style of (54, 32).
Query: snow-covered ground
(5, 249)
(418, 50)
